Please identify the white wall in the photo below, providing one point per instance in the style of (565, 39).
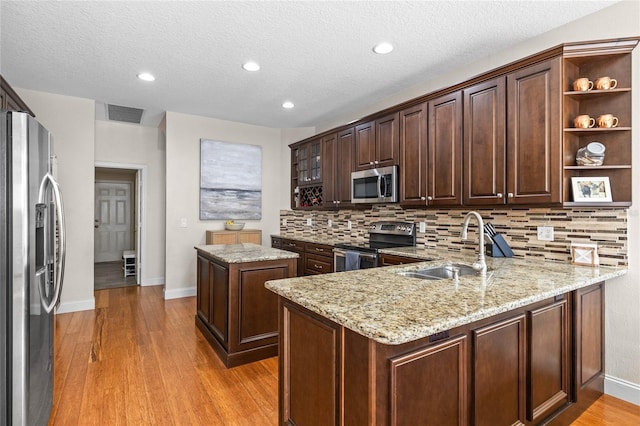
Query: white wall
(130, 144)
(183, 134)
(71, 121)
(623, 294)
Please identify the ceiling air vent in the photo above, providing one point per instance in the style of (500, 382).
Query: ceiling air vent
(123, 113)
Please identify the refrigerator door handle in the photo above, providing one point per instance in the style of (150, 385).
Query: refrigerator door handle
(59, 259)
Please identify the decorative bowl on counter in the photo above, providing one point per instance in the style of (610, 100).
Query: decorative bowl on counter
(235, 226)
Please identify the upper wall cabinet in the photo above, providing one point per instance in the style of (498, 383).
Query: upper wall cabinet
(506, 137)
(484, 142)
(413, 156)
(445, 151)
(601, 96)
(306, 174)
(512, 138)
(10, 100)
(337, 163)
(377, 143)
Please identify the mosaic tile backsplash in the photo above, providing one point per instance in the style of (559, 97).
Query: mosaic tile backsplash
(606, 227)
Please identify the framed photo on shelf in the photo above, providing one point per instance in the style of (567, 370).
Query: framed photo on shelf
(587, 189)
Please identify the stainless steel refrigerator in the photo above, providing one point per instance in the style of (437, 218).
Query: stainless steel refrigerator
(32, 252)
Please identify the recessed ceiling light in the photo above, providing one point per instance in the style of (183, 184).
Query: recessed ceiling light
(383, 48)
(146, 76)
(251, 66)
(288, 105)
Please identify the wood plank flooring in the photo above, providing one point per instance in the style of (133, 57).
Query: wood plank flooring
(110, 275)
(139, 360)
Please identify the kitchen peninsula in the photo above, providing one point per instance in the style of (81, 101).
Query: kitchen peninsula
(522, 345)
(235, 313)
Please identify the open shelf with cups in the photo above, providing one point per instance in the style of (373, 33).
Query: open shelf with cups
(597, 109)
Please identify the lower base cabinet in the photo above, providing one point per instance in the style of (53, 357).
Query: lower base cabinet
(540, 364)
(235, 312)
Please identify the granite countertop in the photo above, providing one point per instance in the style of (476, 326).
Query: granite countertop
(244, 252)
(392, 309)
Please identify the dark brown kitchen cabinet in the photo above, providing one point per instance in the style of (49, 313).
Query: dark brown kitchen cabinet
(512, 138)
(586, 375)
(445, 151)
(235, 312)
(413, 156)
(484, 142)
(377, 143)
(390, 259)
(296, 247)
(306, 175)
(337, 153)
(499, 373)
(318, 259)
(538, 364)
(212, 297)
(548, 362)
(590, 60)
(310, 348)
(444, 363)
(314, 258)
(10, 100)
(309, 156)
(534, 134)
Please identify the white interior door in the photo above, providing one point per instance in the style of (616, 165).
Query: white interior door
(112, 220)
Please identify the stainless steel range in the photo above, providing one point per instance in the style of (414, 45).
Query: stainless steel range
(349, 257)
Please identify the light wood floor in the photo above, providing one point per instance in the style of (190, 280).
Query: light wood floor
(110, 275)
(139, 360)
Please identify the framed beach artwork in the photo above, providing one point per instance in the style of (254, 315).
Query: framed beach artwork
(230, 180)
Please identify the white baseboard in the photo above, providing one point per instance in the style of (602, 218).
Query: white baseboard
(81, 305)
(152, 281)
(178, 293)
(622, 389)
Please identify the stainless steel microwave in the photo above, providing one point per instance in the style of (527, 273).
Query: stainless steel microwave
(375, 185)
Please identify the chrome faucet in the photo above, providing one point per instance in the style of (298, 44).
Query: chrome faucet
(480, 265)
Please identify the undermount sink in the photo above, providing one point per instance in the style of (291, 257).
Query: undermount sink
(441, 272)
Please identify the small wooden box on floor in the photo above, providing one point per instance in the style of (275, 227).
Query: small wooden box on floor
(235, 237)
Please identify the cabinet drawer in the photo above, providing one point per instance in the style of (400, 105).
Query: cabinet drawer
(390, 259)
(321, 249)
(293, 245)
(276, 242)
(318, 264)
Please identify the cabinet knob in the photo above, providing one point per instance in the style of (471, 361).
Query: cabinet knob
(376, 162)
(430, 198)
(338, 202)
(510, 195)
(371, 163)
(423, 198)
(317, 266)
(499, 195)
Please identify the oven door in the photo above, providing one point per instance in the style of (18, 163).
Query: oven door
(366, 260)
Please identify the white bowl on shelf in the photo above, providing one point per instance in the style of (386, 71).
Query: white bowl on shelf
(235, 226)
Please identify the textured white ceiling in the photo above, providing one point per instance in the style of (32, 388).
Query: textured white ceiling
(316, 54)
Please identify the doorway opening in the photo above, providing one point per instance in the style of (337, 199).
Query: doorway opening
(117, 226)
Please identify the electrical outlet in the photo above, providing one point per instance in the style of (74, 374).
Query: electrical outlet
(423, 227)
(183, 222)
(329, 223)
(348, 224)
(284, 222)
(545, 233)
(309, 222)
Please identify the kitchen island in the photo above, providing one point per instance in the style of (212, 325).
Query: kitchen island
(522, 345)
(235, 312)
